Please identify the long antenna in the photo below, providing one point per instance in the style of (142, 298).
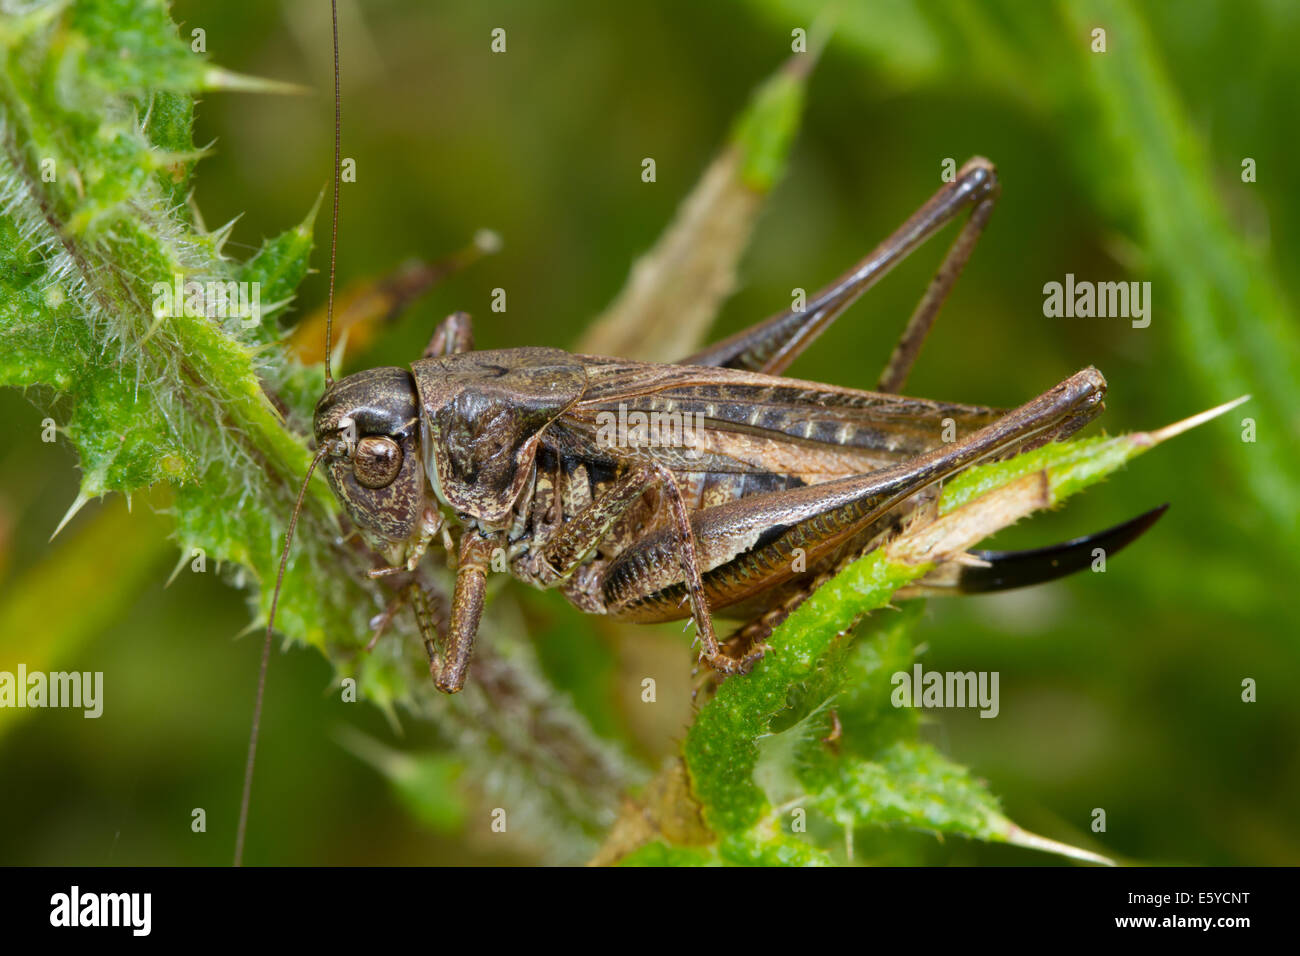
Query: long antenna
(266, 658)
(334, 228)
(325, 449)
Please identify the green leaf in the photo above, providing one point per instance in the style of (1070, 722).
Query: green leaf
(910, 784)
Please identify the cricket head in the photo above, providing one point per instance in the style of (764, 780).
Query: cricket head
(370, 424)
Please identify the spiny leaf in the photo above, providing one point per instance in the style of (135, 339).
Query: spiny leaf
(912, 785)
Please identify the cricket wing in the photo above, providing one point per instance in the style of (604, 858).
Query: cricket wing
(718, 421)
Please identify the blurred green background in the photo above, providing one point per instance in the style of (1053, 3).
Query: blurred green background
(1119, 690)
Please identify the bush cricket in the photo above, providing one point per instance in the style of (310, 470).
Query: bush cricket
(655, 492)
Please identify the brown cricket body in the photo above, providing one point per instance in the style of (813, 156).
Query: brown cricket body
(775, 483)
(654, 492)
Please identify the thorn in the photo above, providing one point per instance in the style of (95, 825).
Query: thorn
(77, 504)
(220, 235)
(228, 81)
(305, 227)
(251, 627)
(177, 570)
(154, 327)
(272, 307)
(1177, 428)
(194, 211)
(166, 158)
(1021, 837)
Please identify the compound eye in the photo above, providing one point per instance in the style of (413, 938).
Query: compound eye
(376, 462)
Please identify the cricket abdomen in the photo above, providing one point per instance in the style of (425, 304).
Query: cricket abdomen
(747, 570)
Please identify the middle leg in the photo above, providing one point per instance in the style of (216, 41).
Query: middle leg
(581, 535)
